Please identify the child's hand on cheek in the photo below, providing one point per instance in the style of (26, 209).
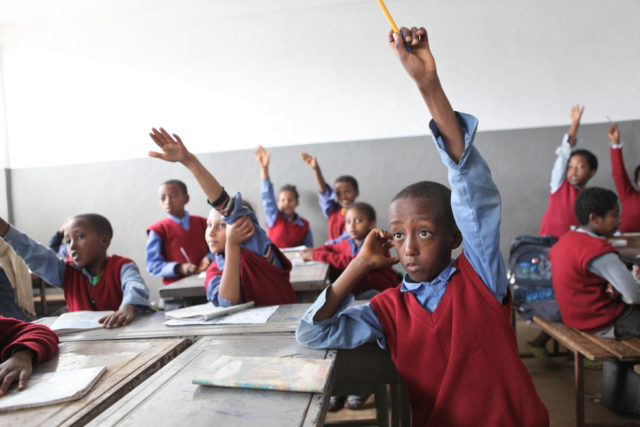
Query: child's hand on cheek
(240, 231)
(17, 367)
(374, 250)
(120, 318)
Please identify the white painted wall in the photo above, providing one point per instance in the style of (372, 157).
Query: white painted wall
(84, 80)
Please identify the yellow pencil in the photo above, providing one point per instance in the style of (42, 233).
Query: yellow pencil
(388, 15)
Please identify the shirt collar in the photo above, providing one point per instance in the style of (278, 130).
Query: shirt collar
(183, 222)
(409, 285)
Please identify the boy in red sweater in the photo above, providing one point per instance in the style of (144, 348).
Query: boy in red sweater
(360, 219)
(175, 244)
(334, 202)
(23, 345)
(595, 290)
(247, 266)
(91, 280)
(629, 196)
(448, 324)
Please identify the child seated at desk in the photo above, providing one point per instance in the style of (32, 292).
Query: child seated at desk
(91, 280)
(629, 196)
(247, 266)
(175, 243)
(22, 346)
(285, 228)
(595, 290)
(334, 202)
(360, 219)
(570, 174)
(448, 324)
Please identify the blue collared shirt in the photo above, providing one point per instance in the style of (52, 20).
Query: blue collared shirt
(476, 206)
(154, 261)
(559, 170)
(257, 243)
(327, 202)
(44, 262)
(271, 210)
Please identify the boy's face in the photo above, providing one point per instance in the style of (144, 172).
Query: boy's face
(344, 193)
(606, 225)
(216, 232)
(172, 199)
(422, 238)
(578, 171)
(85, 246)
(287, 202)
(357, 224)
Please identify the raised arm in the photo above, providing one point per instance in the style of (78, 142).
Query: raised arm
(421, 67)
(173, 150)
(575, 116)
(618, 169)
(311, 161)
(262, 156)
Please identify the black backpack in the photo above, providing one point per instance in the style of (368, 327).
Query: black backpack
(529, 272)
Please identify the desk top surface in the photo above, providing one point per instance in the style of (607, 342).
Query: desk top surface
(283, 321)
(170, 398)
(630, 250)
(128, 363)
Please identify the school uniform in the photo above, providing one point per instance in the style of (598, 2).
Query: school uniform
(467, 337)
(333, 212)
(629, 196)
(167, 236)
(340, 254)
(560, 215)
(121, 278)
(264, 270)
(282, 230)
(16, 335)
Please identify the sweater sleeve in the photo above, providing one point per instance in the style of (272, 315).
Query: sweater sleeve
(620, 177)
(329, 254)
(16, 334)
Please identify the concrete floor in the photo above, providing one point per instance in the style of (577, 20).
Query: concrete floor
(555, 385)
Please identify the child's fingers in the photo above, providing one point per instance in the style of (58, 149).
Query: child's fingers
(6, 382)
(24, 377)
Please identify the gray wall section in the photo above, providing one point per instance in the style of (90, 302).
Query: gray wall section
(126, 191)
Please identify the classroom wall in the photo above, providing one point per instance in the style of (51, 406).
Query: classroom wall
(126, 191)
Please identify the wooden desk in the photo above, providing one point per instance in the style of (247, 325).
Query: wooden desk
(128, 364)
(630, 253)
(283, 321)
(169, 397)
(305, 278)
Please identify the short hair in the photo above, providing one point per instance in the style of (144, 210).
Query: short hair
(636, 173)
(591, 158)
(291, 188)
(436, 193)
(365, 208)
(100, 224)
(348, 179)
(177, 182)
(594, 200)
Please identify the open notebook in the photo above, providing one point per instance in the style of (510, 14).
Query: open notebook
(268, 373)
(78, 321)
(55, 387)
(205, 311)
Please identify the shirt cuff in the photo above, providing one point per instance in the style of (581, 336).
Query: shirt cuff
(616, 146)
(319, 303)
(469, 125)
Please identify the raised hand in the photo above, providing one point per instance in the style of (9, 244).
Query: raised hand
(614, 134)
(375, 248)
(419, 62)
(309, 160)
(173, 150)
(262, 156)
(576, 113)
(239, 231)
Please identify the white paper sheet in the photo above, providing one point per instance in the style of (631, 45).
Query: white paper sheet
(249, 316)
(78, 321)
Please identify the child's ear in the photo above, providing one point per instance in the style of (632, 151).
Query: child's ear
(186, 199)
(457, 239)
(592, 173)
(105, 241)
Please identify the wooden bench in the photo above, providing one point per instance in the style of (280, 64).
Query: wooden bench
(593, 348)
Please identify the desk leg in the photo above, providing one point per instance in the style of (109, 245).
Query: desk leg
(579, 379)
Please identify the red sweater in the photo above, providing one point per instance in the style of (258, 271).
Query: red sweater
(105, 295)
(336, 222)
(339, 256)
(260, 281)
(175, 237)
(560, 215)
(629, 196)
(16, 334)
(460, 363)
(580, 294)
(286, 234)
